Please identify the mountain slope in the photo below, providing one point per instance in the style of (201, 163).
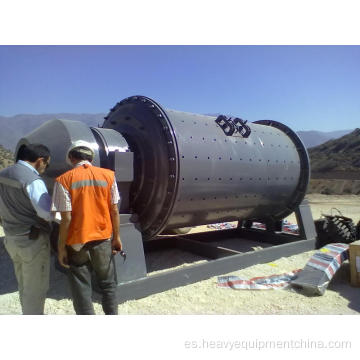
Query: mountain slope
(339, 158)
(6, 157)
(314, 138)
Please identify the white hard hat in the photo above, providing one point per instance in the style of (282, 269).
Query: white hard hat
(81, 144)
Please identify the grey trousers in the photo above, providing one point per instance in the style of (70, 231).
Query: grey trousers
(31, 259)
(94, 256)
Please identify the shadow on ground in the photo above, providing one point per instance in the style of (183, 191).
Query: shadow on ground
(168, 259)
(8, 284)
(341, 284)
(161, 260)
(59, 288)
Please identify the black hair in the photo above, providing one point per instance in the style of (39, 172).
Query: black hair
(79, 155)
(32, 152)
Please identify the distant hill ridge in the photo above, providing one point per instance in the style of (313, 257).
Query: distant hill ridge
(313, 138)
(14, 127)
(339, 158)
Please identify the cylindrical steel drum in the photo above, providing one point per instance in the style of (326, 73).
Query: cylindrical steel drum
(188, 172)
(58, 135)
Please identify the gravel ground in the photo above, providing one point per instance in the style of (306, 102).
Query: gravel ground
(205, 297)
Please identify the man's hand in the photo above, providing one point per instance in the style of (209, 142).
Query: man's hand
(63, 257)
(116, 244)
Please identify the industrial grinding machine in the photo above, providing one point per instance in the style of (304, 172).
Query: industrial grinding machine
(176, 169)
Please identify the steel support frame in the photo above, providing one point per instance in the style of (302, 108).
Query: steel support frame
(164, 281)
(224, 260)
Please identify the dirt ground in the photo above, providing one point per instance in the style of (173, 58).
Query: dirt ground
(206, 297)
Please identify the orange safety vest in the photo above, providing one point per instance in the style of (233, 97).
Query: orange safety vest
(90, 190)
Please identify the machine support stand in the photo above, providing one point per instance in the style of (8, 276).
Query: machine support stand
(133, 267)
(305, 221)
(134, 283)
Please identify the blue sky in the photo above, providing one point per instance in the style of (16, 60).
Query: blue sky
(305, 87)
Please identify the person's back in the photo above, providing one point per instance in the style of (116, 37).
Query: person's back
(87, 198)
(90, 191)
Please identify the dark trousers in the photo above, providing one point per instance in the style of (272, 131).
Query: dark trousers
(94, 256)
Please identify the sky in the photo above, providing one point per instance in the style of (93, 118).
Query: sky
(305, 87)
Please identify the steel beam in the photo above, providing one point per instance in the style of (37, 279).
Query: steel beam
(153, 284)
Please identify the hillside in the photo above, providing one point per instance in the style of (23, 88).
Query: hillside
(339, 158)
(313, 138)
(6, 157)
(335, 166)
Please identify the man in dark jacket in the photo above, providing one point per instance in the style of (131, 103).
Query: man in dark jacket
(25, 214)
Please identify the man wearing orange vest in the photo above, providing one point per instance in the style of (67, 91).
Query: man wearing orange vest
(87, 198)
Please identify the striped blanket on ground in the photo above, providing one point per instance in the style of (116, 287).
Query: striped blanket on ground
(329, 258)
(279, 281)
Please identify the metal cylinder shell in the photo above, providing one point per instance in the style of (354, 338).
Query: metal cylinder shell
(188, 172)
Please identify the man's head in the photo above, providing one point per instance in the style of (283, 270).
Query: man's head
(37, 155)
(80, 151)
